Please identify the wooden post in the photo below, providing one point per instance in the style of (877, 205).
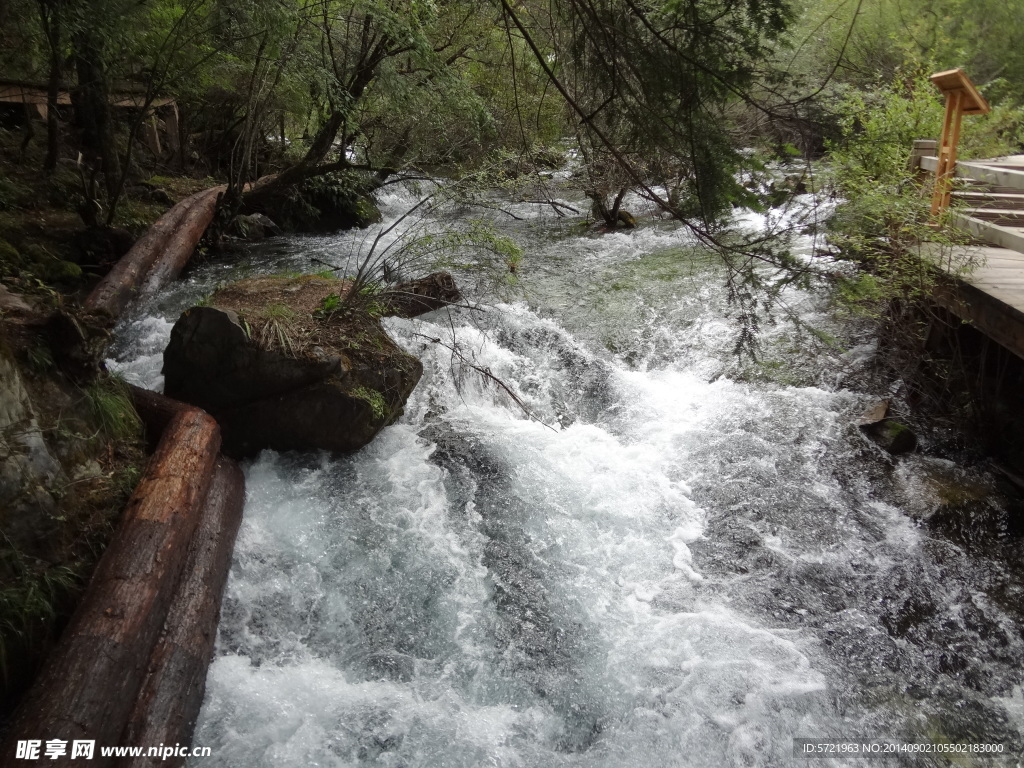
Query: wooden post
(962, 98)
(173, 130)
(151, 135)
(921, 148)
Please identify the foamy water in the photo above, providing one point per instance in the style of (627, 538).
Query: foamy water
(665, 565)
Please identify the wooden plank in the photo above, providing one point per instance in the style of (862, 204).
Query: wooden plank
(1007, 237)
(1004, 216)
(989, 200)
(1003, 177)
(997, 320)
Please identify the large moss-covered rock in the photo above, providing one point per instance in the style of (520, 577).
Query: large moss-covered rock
(276, 363)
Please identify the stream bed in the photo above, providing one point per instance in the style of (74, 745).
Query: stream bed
(676, 559)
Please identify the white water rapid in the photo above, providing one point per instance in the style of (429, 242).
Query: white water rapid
(682, 561)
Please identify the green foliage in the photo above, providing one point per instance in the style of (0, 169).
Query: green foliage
(373, 398)
(473, 248)
(40, 358)
(109, 402)
(30, 597)
(650, 84)
(879, 127)
(885, 210)
(329, 201)
(330, 304)
(278, 311)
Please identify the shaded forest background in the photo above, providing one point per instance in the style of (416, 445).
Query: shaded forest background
(656, 95)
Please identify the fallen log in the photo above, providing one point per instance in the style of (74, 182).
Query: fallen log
(88, 687)
(155, 411)
(112, 294)
(167, 706)
(178, 248)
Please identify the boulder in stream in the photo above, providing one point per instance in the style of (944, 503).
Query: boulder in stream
(281, 363)
(253, 226)
(889, 434)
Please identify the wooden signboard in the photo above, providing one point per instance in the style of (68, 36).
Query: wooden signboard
(962, 98)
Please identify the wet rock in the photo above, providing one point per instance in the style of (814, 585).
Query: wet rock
(278, 371)
(961, 504)
(27, 469)
(874, 413)
(253, 226)
(417, 297)
(13, 303)
(891, 435)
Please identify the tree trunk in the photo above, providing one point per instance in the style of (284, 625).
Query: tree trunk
(169, 702)
(92, 107)
(49, 14)
(156, 412)
(178, 248)
(88, 687)
(175, 232)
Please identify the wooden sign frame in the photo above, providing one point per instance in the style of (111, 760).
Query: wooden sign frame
(962, 98)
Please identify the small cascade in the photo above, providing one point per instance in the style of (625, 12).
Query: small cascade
(659, 562)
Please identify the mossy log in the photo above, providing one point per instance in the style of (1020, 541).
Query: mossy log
(157, 253)
(88, 688)
(172, 695)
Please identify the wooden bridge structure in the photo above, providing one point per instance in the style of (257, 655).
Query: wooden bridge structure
(160, 129)
(988, 205)
(986, 200)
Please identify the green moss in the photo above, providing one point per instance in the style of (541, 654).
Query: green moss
(9, 255)
(64, 272)
(374, 399)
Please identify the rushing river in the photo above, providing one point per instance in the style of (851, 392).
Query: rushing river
(680, 560)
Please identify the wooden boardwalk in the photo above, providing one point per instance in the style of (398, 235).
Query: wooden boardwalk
(990, 206)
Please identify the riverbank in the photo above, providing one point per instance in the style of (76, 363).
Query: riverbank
(71, 444)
